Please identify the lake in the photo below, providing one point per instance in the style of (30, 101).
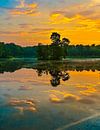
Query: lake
(49, 95)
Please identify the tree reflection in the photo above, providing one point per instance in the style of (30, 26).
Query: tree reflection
(13, 65)
(56, 75)
(58, 70)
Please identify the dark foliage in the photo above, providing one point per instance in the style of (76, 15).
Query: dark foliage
(48, 52)
(51, 52)
(84, 51)
(11, 50)
(56, 51)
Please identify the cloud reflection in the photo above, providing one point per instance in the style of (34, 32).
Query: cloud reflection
(55, 99)
(69, 96)
(25, 88)
(23, 105)
(86, 101)
(62, 96)
(89, 91)
(57, 96)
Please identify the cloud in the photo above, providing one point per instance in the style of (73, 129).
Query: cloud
(23, 105)
(17, 33)
(71, 97)
(89, 91)
(41, 30)
(96, 1)
(22, 4)
(25, 25)
(27, 33)
(62, 96)
(73, 11)
(78, 16)
(59, 18)
(57, 96)
(24, 9)
(25, 88)
(30, 12)
(55, 99)
(86, 101)
(69, 18)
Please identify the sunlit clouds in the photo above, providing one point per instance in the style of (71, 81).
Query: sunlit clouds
(78, 17)
(33, 21)
(24, 9)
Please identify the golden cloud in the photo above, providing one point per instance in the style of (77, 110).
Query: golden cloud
(89, 91)
(58, 18)
(30, 12)
(55, 99)
(62, 96)
(78, 17)
(25, 9)
(69, 96)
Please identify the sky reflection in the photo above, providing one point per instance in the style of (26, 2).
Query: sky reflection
(26, 97)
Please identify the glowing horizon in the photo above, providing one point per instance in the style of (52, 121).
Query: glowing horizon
(29, 22)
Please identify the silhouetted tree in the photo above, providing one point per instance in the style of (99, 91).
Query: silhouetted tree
(65, 41)
(55, 38)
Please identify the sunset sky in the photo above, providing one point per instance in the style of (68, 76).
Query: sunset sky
(28, 22)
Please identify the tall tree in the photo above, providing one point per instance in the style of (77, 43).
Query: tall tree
(55, 38)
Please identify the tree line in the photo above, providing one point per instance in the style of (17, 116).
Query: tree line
(10, 50)
(57, 50)
(45, 67)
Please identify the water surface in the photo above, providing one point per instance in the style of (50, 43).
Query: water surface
(49, 95)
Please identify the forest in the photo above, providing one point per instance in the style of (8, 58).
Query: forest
(57, 50)
(12, 50)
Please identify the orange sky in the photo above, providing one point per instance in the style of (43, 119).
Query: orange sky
(28, 22)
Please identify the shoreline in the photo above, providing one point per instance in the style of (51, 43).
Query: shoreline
(40, 62)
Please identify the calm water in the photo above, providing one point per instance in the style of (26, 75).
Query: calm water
(49, 95)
